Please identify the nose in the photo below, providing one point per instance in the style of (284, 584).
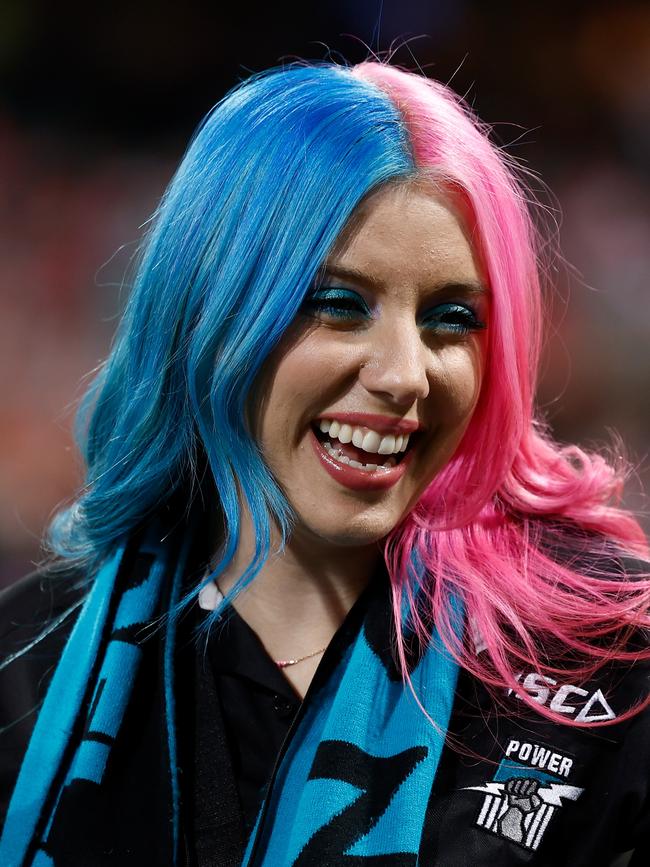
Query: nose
(396, 365)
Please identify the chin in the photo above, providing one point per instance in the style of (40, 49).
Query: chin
(354, 535)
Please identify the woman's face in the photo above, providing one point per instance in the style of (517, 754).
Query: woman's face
(390, 341)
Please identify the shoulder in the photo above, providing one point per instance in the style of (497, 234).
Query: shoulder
(618, 592)
(36, 616)
(588, 552)
(32, 602)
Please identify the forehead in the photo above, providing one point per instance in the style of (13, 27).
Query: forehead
(407, 233)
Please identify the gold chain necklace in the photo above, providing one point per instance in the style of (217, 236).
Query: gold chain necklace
(283, 663)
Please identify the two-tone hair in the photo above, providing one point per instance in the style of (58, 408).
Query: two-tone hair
(269, 181)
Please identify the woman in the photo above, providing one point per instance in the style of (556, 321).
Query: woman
(331, 594)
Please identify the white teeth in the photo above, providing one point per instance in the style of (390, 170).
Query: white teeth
(387, 445)
(338, 455)
(345, 434)
(369, 440)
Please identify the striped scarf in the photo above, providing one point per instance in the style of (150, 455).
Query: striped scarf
(352, 782)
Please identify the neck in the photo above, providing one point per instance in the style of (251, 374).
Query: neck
(301, 596)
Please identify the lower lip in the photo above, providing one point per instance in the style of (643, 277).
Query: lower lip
(359, 480)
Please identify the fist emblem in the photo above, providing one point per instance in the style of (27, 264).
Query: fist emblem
(522, 796)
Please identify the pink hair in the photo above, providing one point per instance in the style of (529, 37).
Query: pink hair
(487, 525)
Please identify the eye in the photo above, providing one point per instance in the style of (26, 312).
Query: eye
(452, 318)
(336, 303)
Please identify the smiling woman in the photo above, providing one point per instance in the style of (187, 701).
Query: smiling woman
(388, 341)
(330, 593)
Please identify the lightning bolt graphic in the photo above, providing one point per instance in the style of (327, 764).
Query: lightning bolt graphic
(554, 793)
(490, 788)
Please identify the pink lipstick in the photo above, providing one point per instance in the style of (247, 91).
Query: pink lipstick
(350, 477)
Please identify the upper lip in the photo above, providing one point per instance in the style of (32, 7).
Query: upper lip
(384, 424)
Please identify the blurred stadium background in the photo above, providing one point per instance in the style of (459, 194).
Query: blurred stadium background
(97, 102)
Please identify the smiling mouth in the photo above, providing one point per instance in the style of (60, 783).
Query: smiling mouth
(358, 458)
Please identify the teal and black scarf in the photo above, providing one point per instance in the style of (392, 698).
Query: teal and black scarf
(351, 785)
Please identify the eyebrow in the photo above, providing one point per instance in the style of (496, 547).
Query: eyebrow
(471, 287)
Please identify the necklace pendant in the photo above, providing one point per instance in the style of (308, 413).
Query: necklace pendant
(283, 663)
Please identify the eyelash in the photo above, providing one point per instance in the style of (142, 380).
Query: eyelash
(345, 305)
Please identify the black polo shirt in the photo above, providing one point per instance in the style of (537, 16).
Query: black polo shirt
(258, 705)
(609, 765)
(243, 710)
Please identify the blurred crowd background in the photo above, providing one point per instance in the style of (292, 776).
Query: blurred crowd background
(97, 102)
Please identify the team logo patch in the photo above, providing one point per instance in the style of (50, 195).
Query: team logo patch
(522, 798)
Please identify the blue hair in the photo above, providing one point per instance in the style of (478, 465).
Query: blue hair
(268, 182)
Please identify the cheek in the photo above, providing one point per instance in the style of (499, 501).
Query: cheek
(298, 382)
(458, 383)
